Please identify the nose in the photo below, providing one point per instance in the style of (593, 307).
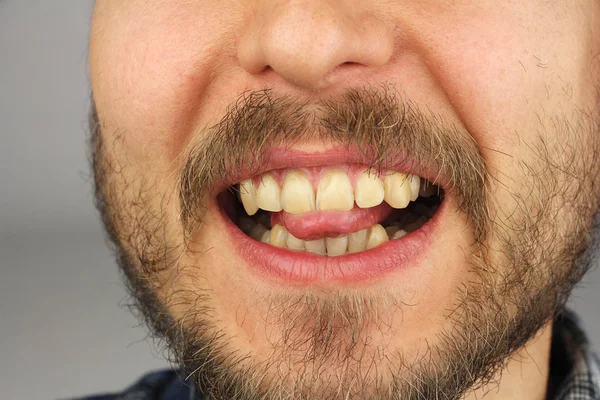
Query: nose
(305, 41)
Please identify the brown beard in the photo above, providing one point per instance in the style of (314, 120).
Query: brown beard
(525, 265)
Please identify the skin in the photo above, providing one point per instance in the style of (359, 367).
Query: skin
(499, 71)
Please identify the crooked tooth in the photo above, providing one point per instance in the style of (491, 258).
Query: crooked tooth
(268, 194)
(377, 236)
(297, 194)
(248, 196)
(369, 191)
(336, 246)
(335, 192)
(415, 184)
(258, 232)
(316, 246)
(397, 190)
(357, 241)
(293, 242)
(278, 236)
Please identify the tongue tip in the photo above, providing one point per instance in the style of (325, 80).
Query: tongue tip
(315, 225)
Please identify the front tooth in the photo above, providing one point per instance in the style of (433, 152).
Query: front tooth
(335, 192)
(336, 246)
(293, 242)
(297, 194)
(268, 194)
(278, 236)
(258, 231)
(377, 236)
(248, 196)
(397, 190)
(357, 241)
(415, 185)
(369, 190)
(316, 246)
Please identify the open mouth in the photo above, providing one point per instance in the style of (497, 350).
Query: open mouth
(330, 212)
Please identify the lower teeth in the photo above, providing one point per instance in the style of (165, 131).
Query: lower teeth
(354, 242)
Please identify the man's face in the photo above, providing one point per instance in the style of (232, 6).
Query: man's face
(347, 199)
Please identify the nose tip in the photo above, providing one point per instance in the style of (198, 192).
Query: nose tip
(304, 42)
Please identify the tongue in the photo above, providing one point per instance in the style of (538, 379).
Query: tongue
(319, 224)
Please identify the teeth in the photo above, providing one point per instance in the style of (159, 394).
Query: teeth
(335, 192)
(248, 196)
(294, 243)
(268, 194)
(397, 190)
(357, 241)
(415, 184)
(391, 230)
(297, 194)
(316, 246)
(377, 236)
(266, 237)
(278, 236)
(336, 246)
(369, 191)
(401, 233)
(258, 232)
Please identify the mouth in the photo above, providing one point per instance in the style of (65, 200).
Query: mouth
(331, 222)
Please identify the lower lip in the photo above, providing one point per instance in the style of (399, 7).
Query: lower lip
(298, 267)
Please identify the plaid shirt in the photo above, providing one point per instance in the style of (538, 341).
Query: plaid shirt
(574, 371)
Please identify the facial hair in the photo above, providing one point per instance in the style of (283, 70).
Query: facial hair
(525, 265)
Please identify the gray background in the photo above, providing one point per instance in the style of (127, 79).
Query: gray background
(64, 330)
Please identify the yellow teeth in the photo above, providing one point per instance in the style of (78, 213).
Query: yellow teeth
(415, 184)
(357, 241)
(369, 191)
(277, 237)
(297, 194)
(268, 194)
(294, 243)
(377, 236)
(316, 246)
(397, 190)
(248, 196)
(335, 192)
(336, 246)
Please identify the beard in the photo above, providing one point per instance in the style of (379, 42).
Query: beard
(525, 259)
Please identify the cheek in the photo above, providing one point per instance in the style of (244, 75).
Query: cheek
(150, 74)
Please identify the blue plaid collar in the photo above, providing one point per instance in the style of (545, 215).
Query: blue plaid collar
(574, 371)
(575, 368)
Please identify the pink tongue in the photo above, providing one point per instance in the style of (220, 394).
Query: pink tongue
(319, 224)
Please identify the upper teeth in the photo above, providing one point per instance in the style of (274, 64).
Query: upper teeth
(334, 192)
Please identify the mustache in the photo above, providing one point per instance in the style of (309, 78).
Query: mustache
(386, 129)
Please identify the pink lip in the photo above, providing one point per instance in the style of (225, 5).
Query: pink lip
(280, 158)
(295, 267)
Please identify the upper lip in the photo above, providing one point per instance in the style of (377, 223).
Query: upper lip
(283, 158)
